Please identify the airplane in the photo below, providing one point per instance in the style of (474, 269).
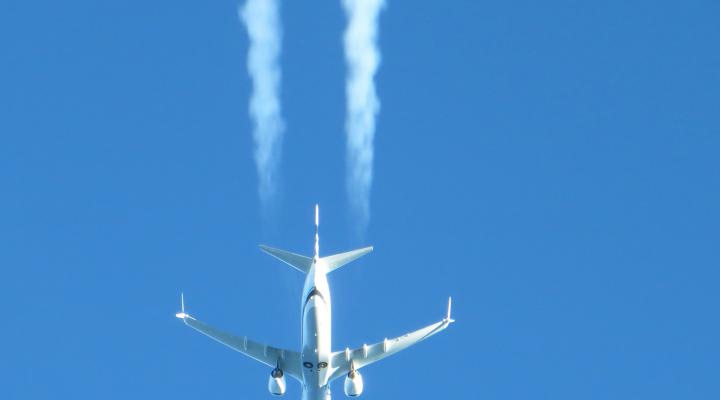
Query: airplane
(316, 365)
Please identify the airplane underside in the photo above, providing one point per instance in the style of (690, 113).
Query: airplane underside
(316, 365)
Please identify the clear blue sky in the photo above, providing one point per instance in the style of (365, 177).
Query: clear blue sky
(552, 165)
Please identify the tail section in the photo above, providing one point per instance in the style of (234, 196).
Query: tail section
(303, 264)
(300, 263)
(317, 235)
(338, 260)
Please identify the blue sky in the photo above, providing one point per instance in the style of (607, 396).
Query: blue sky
(552, 165)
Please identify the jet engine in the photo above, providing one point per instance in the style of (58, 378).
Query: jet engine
(276, 383)
(353, 384)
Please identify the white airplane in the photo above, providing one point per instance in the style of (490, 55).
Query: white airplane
(316, 366)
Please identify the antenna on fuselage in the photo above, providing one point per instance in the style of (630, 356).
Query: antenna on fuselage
(317, 236)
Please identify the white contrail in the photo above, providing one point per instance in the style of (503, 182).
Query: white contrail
(262, 22)
(363, 58)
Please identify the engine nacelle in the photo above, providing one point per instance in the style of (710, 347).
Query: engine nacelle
(276, 383)
(353, 384)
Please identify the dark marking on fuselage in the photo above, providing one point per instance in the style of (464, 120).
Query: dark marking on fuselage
(313, 292)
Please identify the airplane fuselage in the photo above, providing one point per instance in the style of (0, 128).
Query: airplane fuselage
(316, 330)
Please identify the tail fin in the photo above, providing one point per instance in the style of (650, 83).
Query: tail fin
(317, 235)
(303, 264)
(338, 260)
(300, 263)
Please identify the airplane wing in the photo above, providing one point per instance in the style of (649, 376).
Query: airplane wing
(287, 360)
(368, 354)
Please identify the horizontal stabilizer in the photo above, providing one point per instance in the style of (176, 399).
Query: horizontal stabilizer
(338, 260)
(300, 263)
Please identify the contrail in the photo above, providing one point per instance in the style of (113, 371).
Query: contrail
(363, 58)
(261, 20)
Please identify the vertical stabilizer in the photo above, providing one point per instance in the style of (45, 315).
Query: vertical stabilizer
(317, 236)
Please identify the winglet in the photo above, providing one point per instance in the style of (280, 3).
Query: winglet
(448, 319)
(182, 314)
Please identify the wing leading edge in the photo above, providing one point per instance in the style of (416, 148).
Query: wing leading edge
(287, 360)
(368, 354)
